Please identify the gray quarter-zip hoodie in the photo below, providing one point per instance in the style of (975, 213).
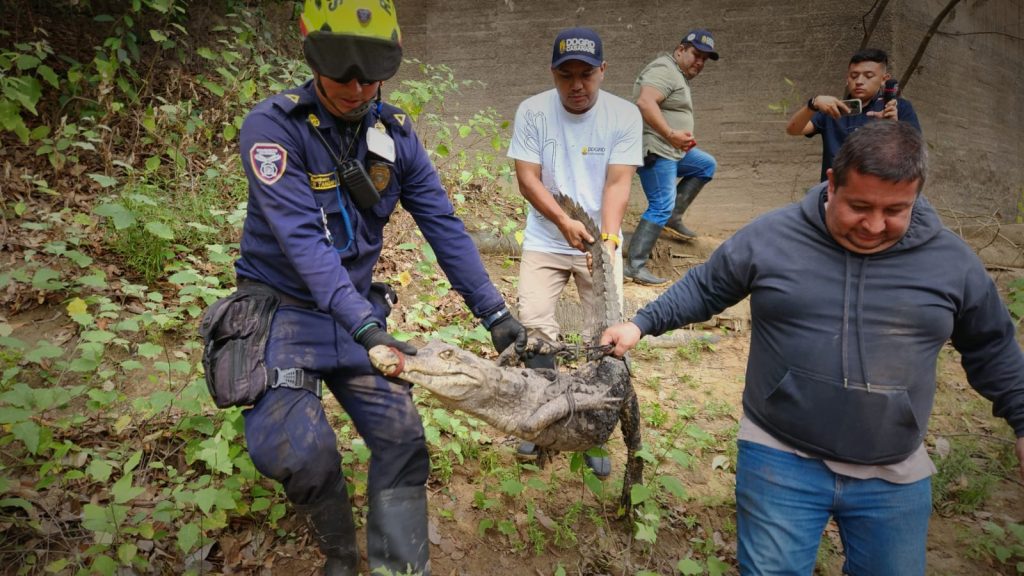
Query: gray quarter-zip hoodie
(844, 346)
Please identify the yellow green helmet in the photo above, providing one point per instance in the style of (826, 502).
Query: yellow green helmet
(346, 39)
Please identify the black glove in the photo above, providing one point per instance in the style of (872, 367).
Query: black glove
(507, 331)
(377, 336)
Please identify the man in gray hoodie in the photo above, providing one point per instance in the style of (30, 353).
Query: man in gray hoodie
(853, 293)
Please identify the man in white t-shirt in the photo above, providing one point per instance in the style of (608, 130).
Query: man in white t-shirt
(585, 143)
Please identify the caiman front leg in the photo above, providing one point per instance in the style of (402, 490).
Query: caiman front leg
(560, 407)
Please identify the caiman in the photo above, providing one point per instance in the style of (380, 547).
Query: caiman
(556, 410)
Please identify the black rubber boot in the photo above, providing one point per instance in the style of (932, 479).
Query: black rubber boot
(396, 531)
(330, 523)
(686, 191)
(640, 246)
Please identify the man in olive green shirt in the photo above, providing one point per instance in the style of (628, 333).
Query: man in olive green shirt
(662, 92)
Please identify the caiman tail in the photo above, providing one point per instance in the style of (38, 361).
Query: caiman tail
(608, 311)
(607, 301)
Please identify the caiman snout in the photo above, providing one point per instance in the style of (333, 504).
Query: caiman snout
(387, 360)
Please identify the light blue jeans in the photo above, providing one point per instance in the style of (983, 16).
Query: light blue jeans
(658, 179)
(783, 503)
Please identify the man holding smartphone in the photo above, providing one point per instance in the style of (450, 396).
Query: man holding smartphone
(835, 118)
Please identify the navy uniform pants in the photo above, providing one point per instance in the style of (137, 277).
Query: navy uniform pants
(288, 435)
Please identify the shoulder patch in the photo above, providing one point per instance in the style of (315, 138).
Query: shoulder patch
(400, 118)
(268, 161)
(289, 101)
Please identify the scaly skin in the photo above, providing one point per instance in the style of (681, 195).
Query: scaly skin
(573, 410)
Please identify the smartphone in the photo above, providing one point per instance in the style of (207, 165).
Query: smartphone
(854, 106)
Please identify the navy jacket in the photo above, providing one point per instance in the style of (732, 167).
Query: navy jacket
(844, 346)
(834, 132)
(304, 234)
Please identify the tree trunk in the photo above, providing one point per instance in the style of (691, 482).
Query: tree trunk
(924, 43)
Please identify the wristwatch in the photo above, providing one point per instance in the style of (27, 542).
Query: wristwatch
(492, 318)
(810, 104)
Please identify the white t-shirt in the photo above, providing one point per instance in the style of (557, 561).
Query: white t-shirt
(574, 151)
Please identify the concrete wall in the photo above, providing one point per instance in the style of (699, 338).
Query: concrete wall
(967, 90)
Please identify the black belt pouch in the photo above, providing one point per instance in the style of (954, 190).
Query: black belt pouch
(235, 330)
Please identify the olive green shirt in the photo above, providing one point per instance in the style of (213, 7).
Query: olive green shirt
(663, 74)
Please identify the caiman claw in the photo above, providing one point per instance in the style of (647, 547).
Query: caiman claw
(387, 360)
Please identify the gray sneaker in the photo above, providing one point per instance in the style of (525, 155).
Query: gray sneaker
(527, 452)
(600, 465)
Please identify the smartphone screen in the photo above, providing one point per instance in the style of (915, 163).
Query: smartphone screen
(854, 106)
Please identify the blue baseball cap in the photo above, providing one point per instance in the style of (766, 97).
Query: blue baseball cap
(577, 44)
(702, 40)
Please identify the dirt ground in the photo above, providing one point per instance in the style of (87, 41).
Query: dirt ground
(558, 526)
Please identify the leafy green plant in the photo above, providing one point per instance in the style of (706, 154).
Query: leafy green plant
(1003, 545)
(469, 154)
(1016, 299)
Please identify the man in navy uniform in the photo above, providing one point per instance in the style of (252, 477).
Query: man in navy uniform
(327, 163)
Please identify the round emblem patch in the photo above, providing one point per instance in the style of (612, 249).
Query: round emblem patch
(268, 161)
(380, 174)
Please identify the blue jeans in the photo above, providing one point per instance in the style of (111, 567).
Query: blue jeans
(658, 179)
(783, 503)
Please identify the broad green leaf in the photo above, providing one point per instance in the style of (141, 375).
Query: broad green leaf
(57, 566)
(185, 277)
(104, 565)
(49, 75)
(205, 498)
(188, 536)
(150, 350)
(673, 485)
(16, 502)
(716, 567)
(213, 87)
(99, 470)
(132, 462)
(44, 349)
(123, 491)
(512, 487)
(126, 553)
(689, 567)
(29, 433)
(638, 493)
(46, 279)
(95, 279)
(103, 180)
(464, 131)
(121, 216)
(9, 415)
(157, 36)
(160, 230)
(26, 91)
(646, 533)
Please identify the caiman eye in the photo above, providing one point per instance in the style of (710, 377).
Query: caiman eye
(445, 354)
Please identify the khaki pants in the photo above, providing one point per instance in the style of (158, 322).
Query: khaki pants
(543, 276)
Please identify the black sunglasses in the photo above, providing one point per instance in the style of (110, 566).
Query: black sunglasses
(363, 82)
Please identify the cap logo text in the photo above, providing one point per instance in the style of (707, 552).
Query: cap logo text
(577, 45)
